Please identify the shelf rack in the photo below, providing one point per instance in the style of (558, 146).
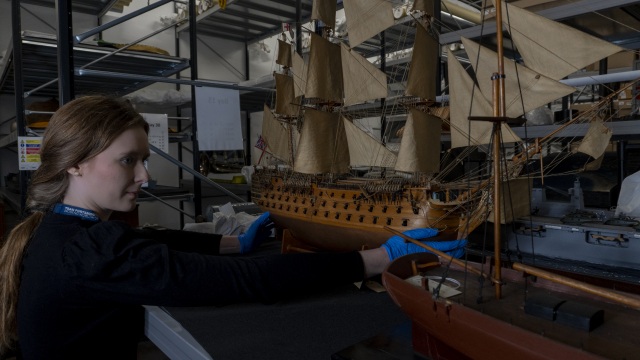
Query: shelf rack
(39, 57)
(91, 7)
(32, 67)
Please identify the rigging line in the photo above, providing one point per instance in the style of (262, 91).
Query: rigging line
(604, 16)
(576, 69)
(484, 238)
(526, 135)
(449, 13)
(513, 216)
(477, 62)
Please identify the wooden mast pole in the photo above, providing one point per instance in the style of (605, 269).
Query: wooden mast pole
(498, 111)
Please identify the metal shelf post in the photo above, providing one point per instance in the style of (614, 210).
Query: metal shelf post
(65, 51)
(19, 93)
(193, 50)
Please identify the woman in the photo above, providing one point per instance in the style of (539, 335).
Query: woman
(73, 282)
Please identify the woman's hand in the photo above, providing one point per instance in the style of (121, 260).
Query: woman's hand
(396, 246)
(257, 233)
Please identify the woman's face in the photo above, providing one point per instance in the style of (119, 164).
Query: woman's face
(111, 180)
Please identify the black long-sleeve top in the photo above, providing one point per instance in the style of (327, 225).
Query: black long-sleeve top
(83, 283)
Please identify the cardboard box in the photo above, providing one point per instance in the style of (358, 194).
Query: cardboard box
(626, 94)
(531, 5)
(624, 107)
(582, 107)
(615, 61)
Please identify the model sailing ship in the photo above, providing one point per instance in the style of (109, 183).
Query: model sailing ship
(321, 202)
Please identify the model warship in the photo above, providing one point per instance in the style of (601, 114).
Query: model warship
(321, 200)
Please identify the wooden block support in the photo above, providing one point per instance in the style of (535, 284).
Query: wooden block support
(292, 245)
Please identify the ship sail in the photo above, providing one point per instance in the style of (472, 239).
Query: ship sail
(299, 74)
(325, 11)
(284, 54)
(285, 97)
(596, 140)
(424, 5)
(537, 90)
(364, 150)
(275, 135)
(515, 201)
(366, 18)
(324, 76)
(420, 145)
(551, 48)
(362, 80)
(461, 86)
(421, 81)
(323, 146)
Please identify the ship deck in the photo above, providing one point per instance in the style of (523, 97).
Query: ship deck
(616, 338)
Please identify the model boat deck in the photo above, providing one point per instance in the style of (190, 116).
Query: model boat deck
(500, 329)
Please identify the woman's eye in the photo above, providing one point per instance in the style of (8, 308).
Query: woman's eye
(126, 160)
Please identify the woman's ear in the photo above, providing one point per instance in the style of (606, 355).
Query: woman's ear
(75, 171)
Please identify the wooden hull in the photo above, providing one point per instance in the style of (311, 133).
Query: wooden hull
(345, 220)
(444, 329)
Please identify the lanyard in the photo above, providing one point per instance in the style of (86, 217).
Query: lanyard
(75, 211)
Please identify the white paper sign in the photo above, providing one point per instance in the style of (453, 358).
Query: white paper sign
(218, 117)
(158, 131)
(29, 152)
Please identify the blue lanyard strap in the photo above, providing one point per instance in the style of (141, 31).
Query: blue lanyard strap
(75, 211)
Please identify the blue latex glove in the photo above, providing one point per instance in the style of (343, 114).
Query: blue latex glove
(396, 246)
(257, 233)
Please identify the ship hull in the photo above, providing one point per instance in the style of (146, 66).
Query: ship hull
(322, 236)
(344, 219)
(446, 330)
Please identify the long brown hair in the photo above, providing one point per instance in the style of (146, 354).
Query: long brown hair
(77, 132)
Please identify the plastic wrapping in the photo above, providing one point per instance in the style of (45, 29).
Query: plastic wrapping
(629, 200)
(222, 224)
(539, 116)
(247, 171)
(160, 97)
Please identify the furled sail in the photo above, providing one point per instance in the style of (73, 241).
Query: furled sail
(424, 5)
(275, 135)
(325, 11)
(597, 139)
(285, 98)
(364, 150)
(595, 164)
(324, 77)
(420, 145)
(284, 54)
(461, 86)
(362, 80)
(323, 146)
(421, 81)
(366, 18)
(299, 74)
(551, 48)
(537, 90)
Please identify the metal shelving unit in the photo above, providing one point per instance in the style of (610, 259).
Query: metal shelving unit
(91, 7)
(39, 57)
(32, 67)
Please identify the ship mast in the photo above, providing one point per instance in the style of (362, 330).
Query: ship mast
(498, 111)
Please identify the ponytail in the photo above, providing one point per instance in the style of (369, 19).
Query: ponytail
(11, 255)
